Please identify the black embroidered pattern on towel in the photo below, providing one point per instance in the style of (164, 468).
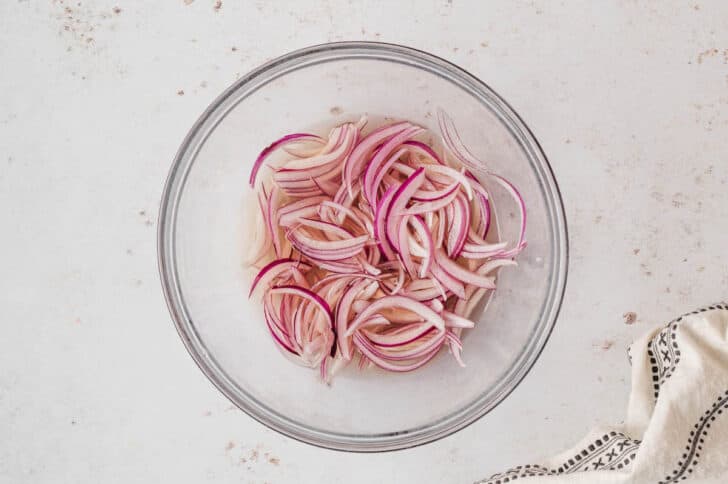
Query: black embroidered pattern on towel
(696, 440)
(663, 350)
(664, 355)
(613, 450)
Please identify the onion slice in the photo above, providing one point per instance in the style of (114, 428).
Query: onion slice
(268, 150)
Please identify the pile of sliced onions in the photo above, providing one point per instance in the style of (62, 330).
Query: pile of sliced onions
(373, 246)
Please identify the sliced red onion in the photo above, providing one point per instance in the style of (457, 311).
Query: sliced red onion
(341, 209)
(422, 148)
(456, 346)
(399, 202)
(380, 219)
(458, 228)
(317, 301)
(425, 236)
(452, 320)
(383, 153)
(436, 306)
(345, 143)
(366, 350)
(397, 302)
(279, 338)
(426, 343)
(338, 267)
(327, 228)
(456, 146)
(326, 187)
(522, 209)
(354, 164)
(452, 174)
(483, 202)
(289, 214)
(400, 336)
(275, 269)
(494, 264)
(379, 228)
(431, 206)
(342, 316)
(404, 250)
(478, 251)
(434, 195)
(326, 250)
(449, 282)
(374, 175)
(288, 139)
(460, 273)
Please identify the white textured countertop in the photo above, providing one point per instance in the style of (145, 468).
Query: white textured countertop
(629, 100)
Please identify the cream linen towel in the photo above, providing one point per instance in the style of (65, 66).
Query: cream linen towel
(677, 420)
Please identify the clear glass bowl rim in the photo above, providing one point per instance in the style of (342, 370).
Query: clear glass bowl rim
(174, 186)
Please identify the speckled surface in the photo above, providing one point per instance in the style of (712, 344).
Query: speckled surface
(629, 100)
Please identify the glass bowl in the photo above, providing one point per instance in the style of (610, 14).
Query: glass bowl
(205, 220)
